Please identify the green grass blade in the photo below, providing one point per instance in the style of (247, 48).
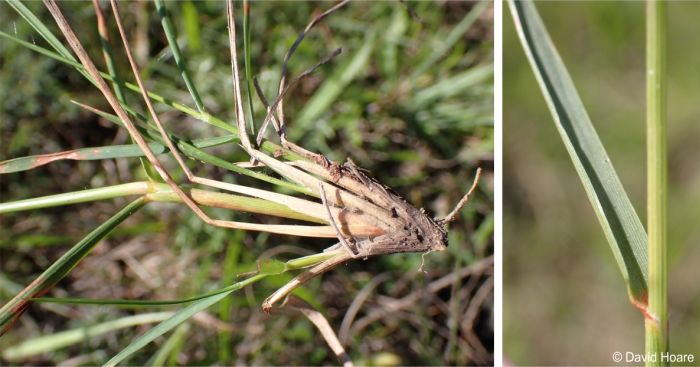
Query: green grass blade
(656, 323)
(265, 268)
(334, 85)
(268, 267)
(612, 206)
(170, 34)
(129, 303)
(75, 197)
(159, 192)
(100, 153)
(107, 52)
(177, 319)
(453, 86)
(84, 154)
(16, 306)
(48, 343)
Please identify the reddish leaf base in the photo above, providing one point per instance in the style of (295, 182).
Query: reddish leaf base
(643, 305)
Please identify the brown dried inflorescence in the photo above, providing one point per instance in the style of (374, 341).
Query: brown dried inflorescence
(368, 218)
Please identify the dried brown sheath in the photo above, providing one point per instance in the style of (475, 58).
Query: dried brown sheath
(412, 229)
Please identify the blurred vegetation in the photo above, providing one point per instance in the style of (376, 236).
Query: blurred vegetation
(420, 120)
(564, 300)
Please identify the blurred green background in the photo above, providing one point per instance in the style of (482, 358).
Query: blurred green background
(565, 301)
(418, 118)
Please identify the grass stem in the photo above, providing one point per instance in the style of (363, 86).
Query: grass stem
(657, 190)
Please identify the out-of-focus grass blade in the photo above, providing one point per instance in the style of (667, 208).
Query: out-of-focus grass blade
(45, 33)
(454, 85)
(331, 88)
(452, 38)
(16, 306)
(231, 262)
(611, 204)
(67, 338)
(190, 16)
(28, 241)
(170, 34)
(396, 30)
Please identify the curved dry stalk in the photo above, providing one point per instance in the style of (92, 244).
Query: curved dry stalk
(453, 214)
(477, 301)
(321, 323)
(277, 103)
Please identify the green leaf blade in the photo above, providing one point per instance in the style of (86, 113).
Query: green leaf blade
(177, 319)
(13, 309)
(621, 225)
(169, 30)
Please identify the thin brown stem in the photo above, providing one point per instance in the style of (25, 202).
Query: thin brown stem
(453, 214)
(279, 107)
